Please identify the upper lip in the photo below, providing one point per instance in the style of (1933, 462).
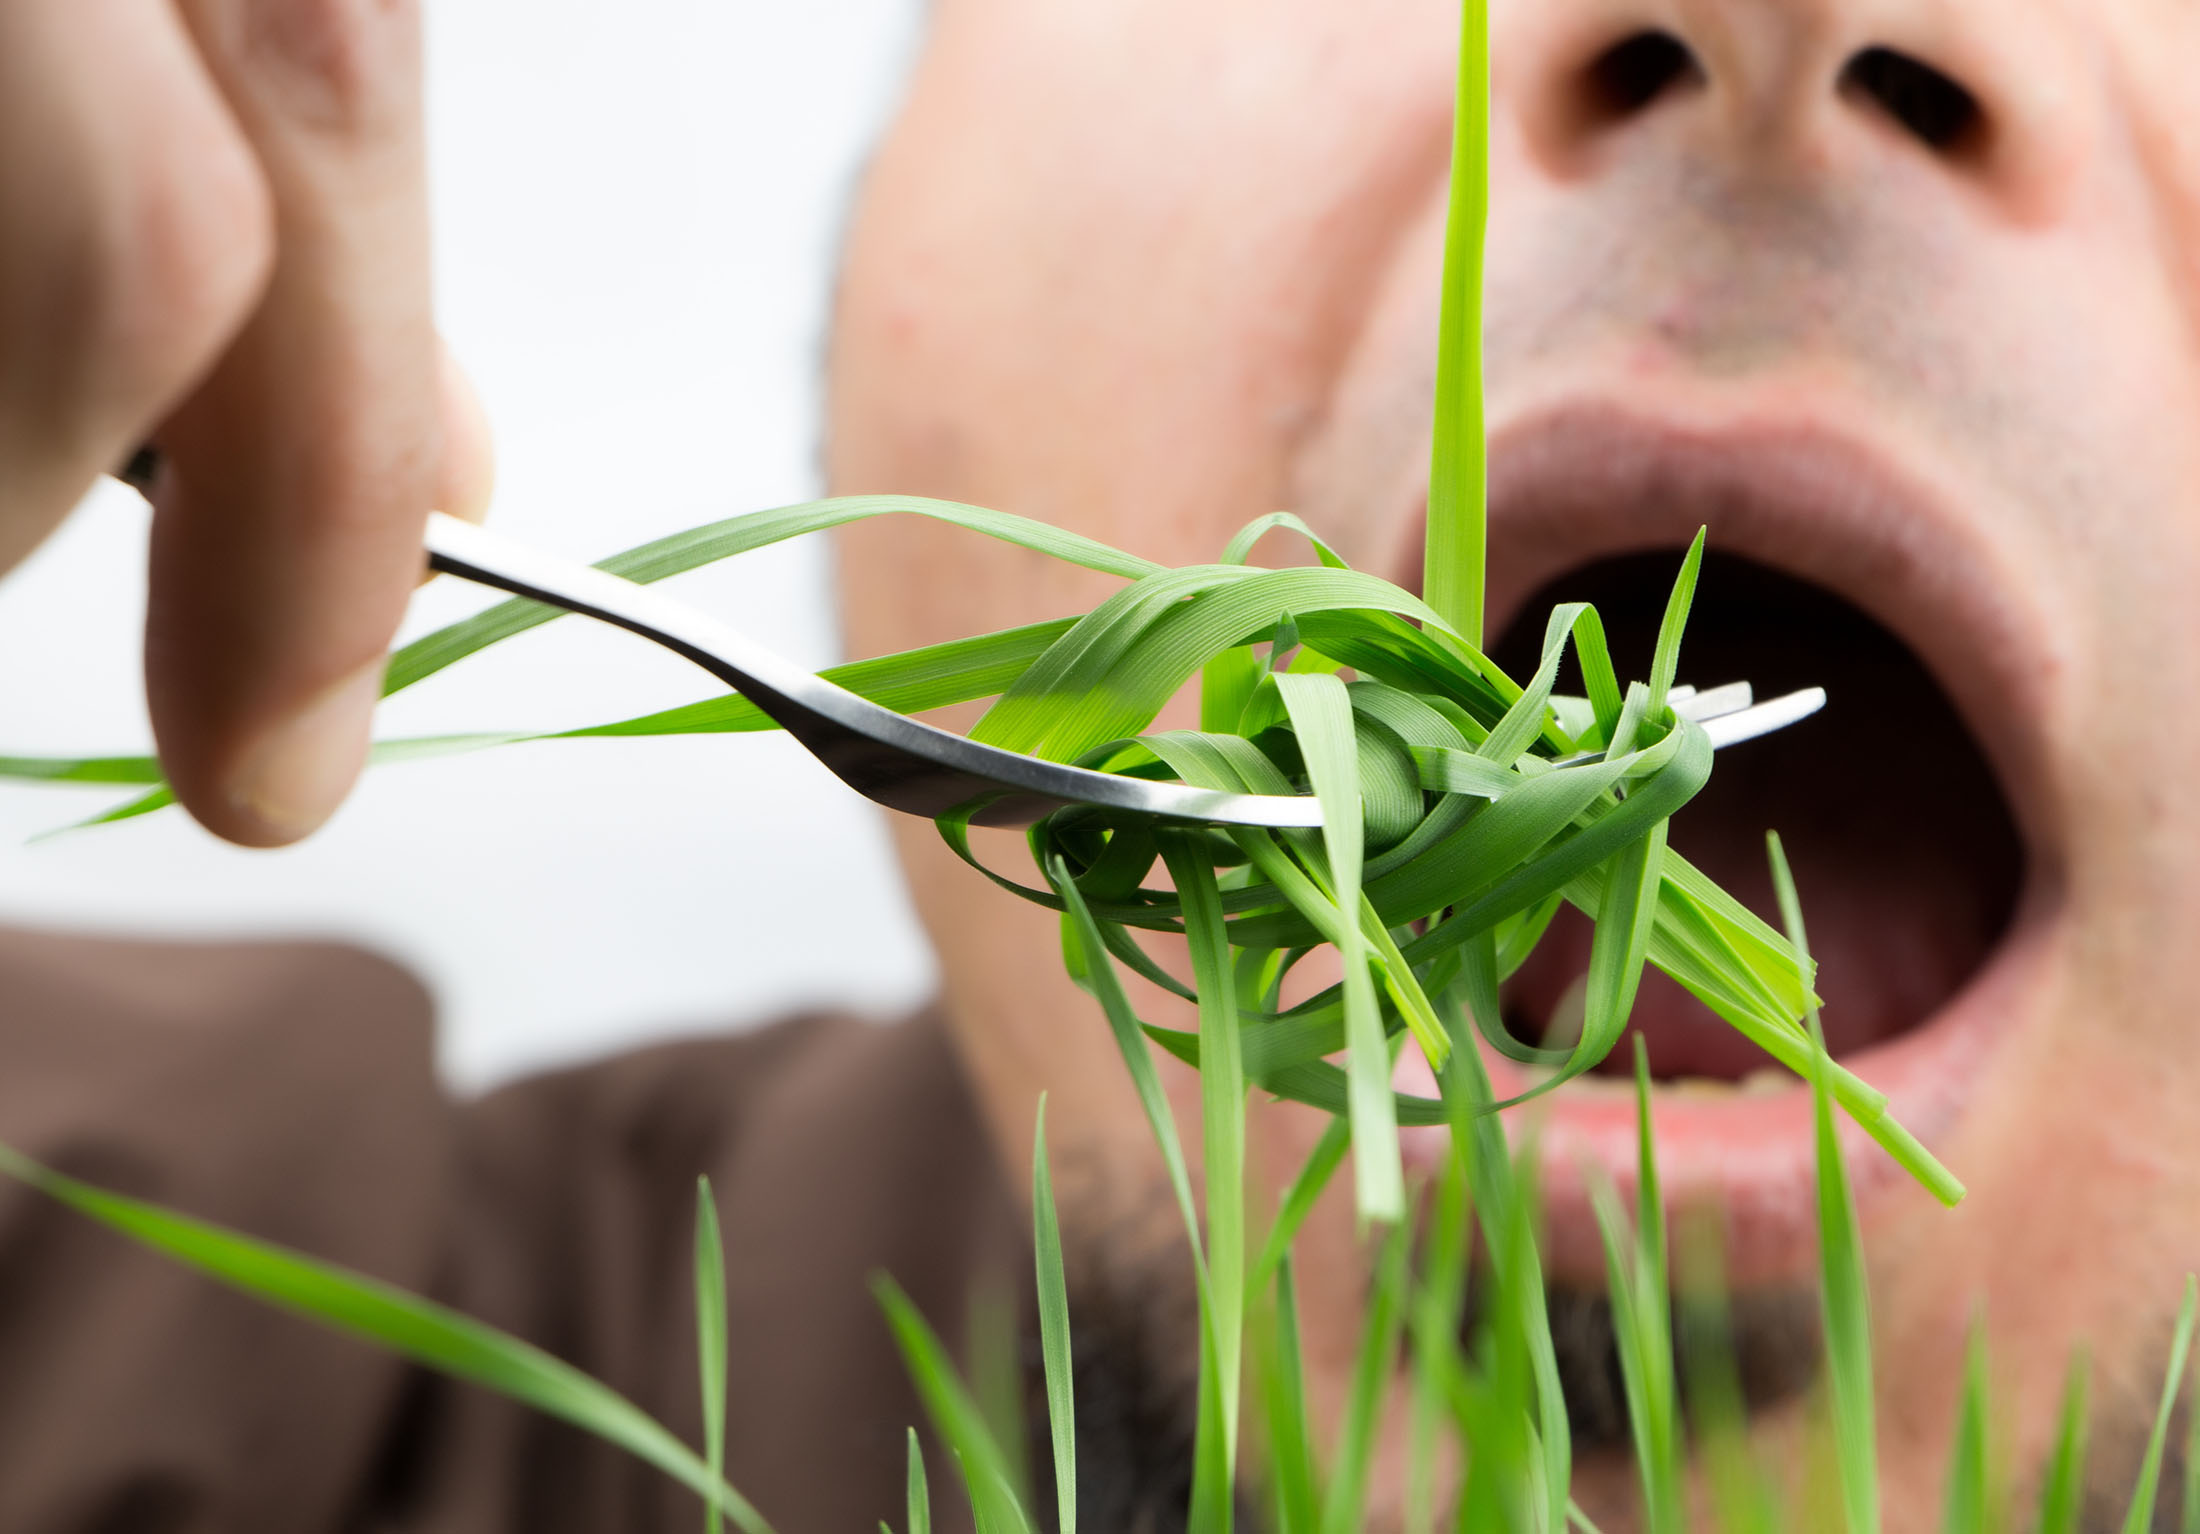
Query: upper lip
(1581, 482)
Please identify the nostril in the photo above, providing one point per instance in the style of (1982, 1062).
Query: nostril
(1634, 72)
(1934, 109)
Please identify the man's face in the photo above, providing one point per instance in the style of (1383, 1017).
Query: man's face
(1898, 298)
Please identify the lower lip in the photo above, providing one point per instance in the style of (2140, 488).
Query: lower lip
(1748, 1155)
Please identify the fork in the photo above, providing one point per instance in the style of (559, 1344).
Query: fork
(917, 768)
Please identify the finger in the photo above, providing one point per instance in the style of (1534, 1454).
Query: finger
(466, 478)
(288, 521)
(135, 235)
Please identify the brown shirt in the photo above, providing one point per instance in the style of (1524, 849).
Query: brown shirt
(288, 1090)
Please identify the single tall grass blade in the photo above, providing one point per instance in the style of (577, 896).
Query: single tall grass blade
(1845, 1305)
(1641, 1307)
(920, 1494)
(1742, 1495)
(1452, 564)
(2140, 1518)
(1054, 1342)
(1434, 1334)
(1295, 1496)
(1344, 1511)
(1974, 1503)
(1666, 661)
(1298, 1202)
(710, 1336)
(432, 1335)
(1222, 1117)
(2062, 1492)
(2188, 1519)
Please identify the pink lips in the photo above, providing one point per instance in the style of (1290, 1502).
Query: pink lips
(1745, 1153)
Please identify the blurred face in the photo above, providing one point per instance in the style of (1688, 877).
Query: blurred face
(1899, 299)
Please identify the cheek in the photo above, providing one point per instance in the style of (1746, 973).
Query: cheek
(1105, 273)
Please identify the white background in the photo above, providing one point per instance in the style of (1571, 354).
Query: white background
(637, 206)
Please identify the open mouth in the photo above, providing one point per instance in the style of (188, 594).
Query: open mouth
(1911, 808)
(1911, 879)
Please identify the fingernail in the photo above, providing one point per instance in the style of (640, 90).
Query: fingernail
(301, 769)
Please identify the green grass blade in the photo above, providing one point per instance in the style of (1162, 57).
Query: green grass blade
(1845, 1304)
(1345, 1508)
(1054, 1329)
(1972, 1505)
(2062, 1493)
(136, 771)
(1222, 1114)
(1290, 1443)
(690, 550)
(1634, 1263)
(710, 1336)
(1434, 1335)
(1298, 1202)
(1098, 975)
(1667, 658)
(432, 1335)
(1452, 565)
(920, 1494)
(993, 1363)
(2188, 1520)
(955, 1414)
(1322, 719)
(2140, 1518)
(1741, 1493)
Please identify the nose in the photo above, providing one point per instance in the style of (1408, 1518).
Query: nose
(1976, 90)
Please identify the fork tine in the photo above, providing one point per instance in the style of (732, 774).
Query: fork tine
(1763, 718)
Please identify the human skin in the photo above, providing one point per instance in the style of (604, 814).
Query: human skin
(1150, 270)
(214, 239)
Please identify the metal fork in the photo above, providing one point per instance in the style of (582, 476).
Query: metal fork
(914, 767)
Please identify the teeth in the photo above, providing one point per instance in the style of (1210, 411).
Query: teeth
(1699, 1086)
(1701, 706)
(1563, 1026)
(1766, 1080)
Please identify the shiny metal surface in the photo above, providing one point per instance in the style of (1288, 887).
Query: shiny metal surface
(914, 767)
(900, 762)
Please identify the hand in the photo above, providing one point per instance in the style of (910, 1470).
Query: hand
(213, 237)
